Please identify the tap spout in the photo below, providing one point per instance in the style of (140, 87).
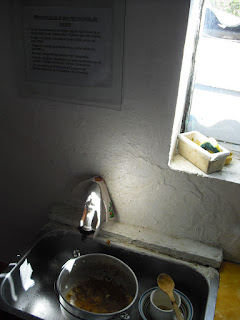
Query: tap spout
(91, 216)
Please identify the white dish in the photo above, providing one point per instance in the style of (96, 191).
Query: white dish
(185, 307)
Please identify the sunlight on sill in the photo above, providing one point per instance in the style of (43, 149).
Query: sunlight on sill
(229, 173)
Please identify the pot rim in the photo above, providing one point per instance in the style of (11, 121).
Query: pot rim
(89, 312)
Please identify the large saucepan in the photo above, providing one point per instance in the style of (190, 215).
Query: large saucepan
(96, 286)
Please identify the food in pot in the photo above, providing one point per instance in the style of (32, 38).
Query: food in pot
(99, 296)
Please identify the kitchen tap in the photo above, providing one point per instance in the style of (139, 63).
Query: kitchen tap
(91, 216)
(97, 198)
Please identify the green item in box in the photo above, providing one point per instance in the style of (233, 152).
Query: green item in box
(209, 147)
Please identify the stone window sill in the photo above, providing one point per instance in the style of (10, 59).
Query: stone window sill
(230, 172)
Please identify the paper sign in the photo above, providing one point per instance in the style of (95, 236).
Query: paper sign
(68, 45)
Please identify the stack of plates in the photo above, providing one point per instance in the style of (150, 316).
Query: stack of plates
(185, 307)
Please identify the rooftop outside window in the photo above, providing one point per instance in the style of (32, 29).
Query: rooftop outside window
(214, 108)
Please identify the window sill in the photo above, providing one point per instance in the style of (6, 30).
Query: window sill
(230, 172)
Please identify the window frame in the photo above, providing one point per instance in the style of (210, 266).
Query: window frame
(191, 84)
(230, 173)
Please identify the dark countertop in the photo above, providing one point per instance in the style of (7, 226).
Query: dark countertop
(7, 316)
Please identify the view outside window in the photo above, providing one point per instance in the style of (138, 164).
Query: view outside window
(215, 106)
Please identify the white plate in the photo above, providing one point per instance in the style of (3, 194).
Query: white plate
(185, 307)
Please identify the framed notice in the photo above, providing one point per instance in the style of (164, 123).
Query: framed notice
(71, 52)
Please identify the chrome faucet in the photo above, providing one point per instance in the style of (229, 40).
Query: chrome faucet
(91, 216)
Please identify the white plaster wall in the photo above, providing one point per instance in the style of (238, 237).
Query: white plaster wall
(46, 146)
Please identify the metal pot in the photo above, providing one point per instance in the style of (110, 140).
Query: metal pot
(100, 267)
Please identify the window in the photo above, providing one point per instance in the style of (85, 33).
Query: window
(214, 95)
(209, 89)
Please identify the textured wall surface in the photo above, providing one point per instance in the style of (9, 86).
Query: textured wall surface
(47, 146)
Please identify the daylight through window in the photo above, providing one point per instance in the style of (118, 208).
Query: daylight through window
(215, 98)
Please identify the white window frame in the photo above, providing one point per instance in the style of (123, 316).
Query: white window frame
(176, 161)
(215, 87)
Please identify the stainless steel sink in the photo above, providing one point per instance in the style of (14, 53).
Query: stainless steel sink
(27, 290)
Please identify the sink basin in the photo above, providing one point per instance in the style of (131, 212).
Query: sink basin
(27, 287)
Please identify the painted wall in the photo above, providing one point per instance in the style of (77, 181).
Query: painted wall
(46, 146)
